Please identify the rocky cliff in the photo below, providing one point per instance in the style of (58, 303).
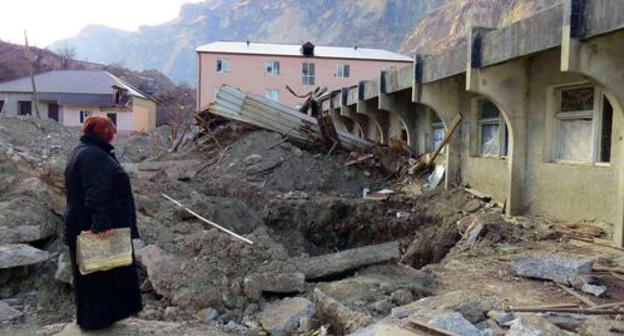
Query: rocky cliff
(397, 25)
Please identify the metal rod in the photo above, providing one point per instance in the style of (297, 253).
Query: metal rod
(207, 221)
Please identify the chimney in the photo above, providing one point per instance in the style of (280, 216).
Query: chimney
(307, 49)
(355, 47)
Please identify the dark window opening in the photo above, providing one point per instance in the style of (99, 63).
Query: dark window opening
(1, 105)
(404, 135)
(24, 108)
(605, 134)
(113, 117)
(307, 49)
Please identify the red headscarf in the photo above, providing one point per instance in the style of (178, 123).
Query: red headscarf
(101, 126)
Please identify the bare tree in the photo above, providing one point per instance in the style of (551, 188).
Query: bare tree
(66, 56)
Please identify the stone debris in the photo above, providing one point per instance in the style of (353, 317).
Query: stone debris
(471, 305)
(15, 255)
(64, 269)
(570, 322)
(339, 316)
(179, 169)
(595, 290)
(8, 313)
(501, 318)
(207, 315)
(385, 327)
(284, 317)
(19, 226)
(255, 284)
(455, 323)
(532, 325)
(564, 269)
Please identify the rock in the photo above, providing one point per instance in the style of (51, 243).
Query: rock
(14, 255)
(341, 318)
(594, 290)
(156, 262)
(172, 313)
(474, 231)
(532, 325)
(383, 306)
(64, 269)
(297, 152)
(134, 326)
(283, 317)
(565, 321)
(252, 159)
(234, 327)
(472, 205)
(502, 318)
(138, 244)
(601, 325)
(402, 296)
(23, 220)
(455, 323)
(471, 305)
(207, 315)
(385, 327)
(306, 324)
(564, 269)
(255, 284)
(8, 313)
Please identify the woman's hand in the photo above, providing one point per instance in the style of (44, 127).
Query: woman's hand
(104, 234)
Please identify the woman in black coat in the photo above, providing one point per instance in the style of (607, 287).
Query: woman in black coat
(99, 198)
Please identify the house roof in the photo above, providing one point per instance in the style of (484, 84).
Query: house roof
(72, 82)
(253, 48)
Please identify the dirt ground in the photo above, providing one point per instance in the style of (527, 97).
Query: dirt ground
(294, 203)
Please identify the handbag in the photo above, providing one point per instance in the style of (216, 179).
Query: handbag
(96, 255)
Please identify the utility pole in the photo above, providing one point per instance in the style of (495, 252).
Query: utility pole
(31, 60)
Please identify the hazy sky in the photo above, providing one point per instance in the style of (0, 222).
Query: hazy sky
(51, 20)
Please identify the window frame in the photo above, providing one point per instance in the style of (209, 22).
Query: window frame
(339, 70)
(311, 68)
(596, 116)
(273, 67)
(19, 107)
(225, 66)
(84, 114)
(501, 133)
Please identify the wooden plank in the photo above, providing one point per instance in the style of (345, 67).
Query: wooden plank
(577, 295)
(447, 137)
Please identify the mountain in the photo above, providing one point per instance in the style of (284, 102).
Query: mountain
(397, 25)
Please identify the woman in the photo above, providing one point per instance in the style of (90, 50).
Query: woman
(99, 198)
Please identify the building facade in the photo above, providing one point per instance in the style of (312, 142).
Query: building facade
(266, 69)
(69, 97)
(541, 112)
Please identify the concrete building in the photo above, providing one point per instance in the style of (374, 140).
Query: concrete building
(541, 104)
(71, 96)
(265, 69)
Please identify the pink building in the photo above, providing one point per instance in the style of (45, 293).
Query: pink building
(265, 69)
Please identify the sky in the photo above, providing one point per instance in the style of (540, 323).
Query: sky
(50, 20)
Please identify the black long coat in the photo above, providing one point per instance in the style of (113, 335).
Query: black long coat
(99, 197)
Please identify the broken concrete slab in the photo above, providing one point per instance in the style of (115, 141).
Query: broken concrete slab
(569, 322)
(595, 290)
(343, 319)
(8, 313)
(455, 323)
(335, 263)
(16, 255)
(255, 284)
(471, 305)
(564, 269)
(153, 259)
(282, 318)
(533, 325)
(179, 169)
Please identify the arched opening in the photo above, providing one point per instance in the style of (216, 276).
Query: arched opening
(371, 130)
(491, 130)
(349, 125)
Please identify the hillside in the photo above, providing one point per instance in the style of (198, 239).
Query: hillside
(397, 25)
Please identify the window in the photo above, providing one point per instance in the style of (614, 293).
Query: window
(272, 68)
(24, 108)
(272, 94)
(1, 105)
(583, 125)
(222, 66)
(342, 70)
(493, 139)
(307, 73)
(437, 130)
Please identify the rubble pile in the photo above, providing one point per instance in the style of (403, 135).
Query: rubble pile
(327, 257)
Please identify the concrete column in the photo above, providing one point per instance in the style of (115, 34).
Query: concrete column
(400, 105)
(444, 98)
(506, 85)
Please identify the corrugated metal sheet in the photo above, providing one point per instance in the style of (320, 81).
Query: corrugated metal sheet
(265, 113)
